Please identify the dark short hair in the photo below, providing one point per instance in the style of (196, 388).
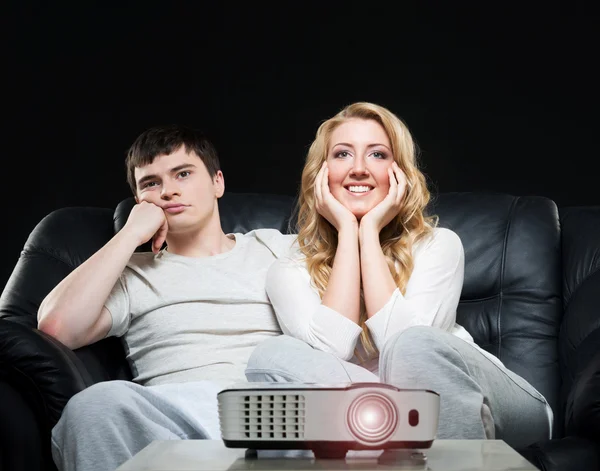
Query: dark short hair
(164, 140)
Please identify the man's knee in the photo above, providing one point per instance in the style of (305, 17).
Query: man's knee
(97, 403)
(93, 417)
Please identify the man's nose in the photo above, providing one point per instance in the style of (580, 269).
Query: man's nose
(170, 189)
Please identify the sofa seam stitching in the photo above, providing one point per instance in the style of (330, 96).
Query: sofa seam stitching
(502, 270)
(41, 251)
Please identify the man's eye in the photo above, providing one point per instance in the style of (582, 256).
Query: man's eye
(149, 184)
(185, 173)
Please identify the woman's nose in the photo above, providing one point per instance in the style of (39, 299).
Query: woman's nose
(359, 166)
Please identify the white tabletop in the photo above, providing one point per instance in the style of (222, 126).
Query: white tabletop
(444, 455)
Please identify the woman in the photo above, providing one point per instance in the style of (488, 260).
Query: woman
(371, 289)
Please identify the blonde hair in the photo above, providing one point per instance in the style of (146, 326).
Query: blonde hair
(317, 238)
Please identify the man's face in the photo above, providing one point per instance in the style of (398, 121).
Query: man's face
(180, 184)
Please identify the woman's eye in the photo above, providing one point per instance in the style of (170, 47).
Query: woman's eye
(342, 154)
(379, 155)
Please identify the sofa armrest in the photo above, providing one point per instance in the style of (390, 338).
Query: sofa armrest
(24, 445)
(42, 369)
(582, 412)
(564, 454)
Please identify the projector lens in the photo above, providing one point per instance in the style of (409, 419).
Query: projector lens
(372, 418)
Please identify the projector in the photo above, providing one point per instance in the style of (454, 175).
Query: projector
(330, 420)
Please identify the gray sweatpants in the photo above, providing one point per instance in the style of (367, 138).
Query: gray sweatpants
(478, 399)
(106, 424)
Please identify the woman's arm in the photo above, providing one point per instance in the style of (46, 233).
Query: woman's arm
(377, 281)
(302, 315)
(343, 289)
(331, 323)
(342, 293)
(432, 293)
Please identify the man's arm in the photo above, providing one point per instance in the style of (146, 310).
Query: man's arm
(73, 312)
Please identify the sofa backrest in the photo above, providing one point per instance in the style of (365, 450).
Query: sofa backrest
(59, 243)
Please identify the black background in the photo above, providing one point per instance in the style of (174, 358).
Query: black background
(499, 96)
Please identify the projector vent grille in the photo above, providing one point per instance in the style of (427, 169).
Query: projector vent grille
(279, 416)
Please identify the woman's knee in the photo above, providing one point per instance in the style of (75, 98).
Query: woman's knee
(275, 352)
(283, 359)
(417, 341)
(418, 352)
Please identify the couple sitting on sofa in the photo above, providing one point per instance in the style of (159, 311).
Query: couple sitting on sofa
(367, 290)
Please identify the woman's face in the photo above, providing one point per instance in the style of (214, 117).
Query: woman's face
(358, 158)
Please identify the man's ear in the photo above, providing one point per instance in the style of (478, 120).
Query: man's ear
(137, 200)
(219, 183)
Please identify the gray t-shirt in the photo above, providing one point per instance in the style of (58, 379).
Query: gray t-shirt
(192, 319)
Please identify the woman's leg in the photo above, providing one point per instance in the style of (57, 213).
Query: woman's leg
(285, 359)
(478, 398)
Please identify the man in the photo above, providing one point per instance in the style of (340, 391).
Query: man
(189, 315)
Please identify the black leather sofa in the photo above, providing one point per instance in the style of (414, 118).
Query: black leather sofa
(531, 296)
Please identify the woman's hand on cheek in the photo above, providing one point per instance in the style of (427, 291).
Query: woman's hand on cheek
(328, 206)
(382, 214)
